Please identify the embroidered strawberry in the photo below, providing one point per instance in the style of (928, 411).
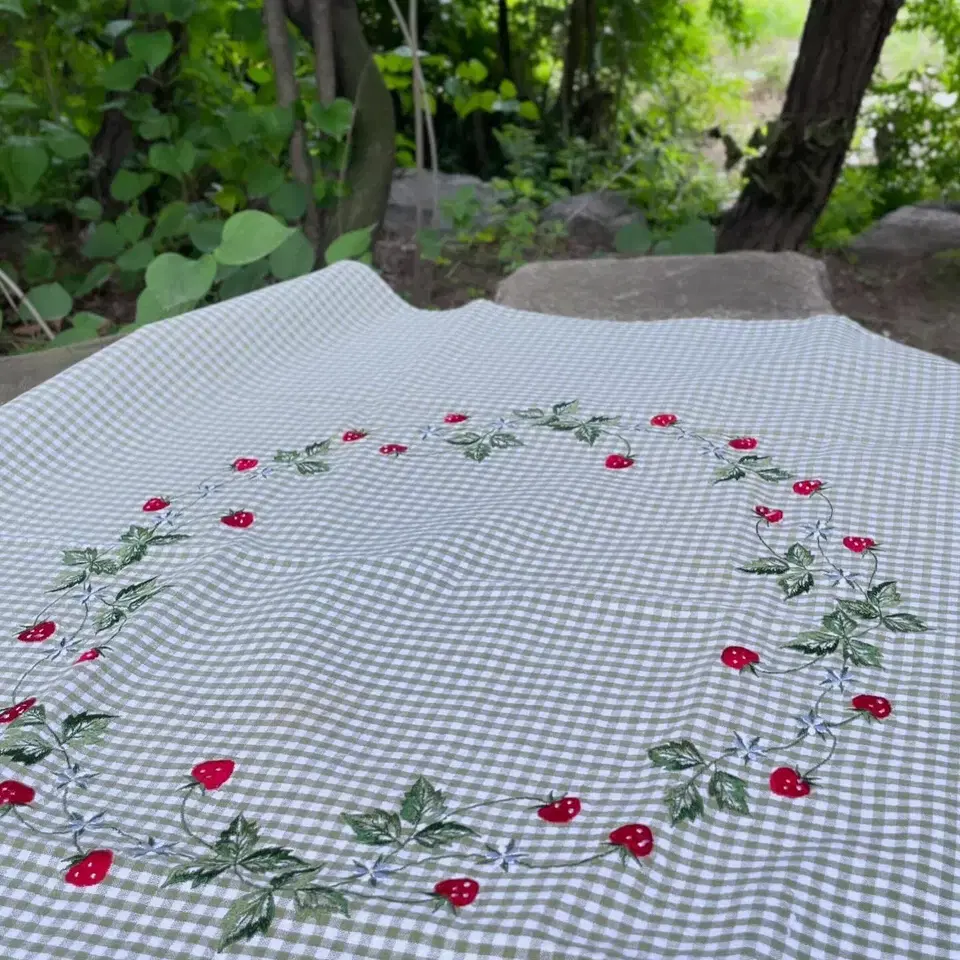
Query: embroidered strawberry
(743, 443)
(768, 513)
(86, 657)
(393, 449)
(617, 462)
(15, 794)
(663, 420)
(807, 487)
(787, 782)
(737, 658)
(155, 504)
(635, 837)
(560, 811)
(239, 518)
(213, 774)
(352, 435)
(12, 713)
(458, 891)
(91, 870)
(877, 707)
(859, 544)
(245, 463)
(39, 633)
(455, 418)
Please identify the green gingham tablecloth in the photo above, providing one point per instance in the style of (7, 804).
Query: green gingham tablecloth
(336, 629)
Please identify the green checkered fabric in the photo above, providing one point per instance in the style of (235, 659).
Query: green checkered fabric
(336, 629)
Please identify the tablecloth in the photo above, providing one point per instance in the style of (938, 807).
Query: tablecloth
(332, 628)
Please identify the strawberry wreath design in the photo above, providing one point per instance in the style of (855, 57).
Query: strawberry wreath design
(99, 594)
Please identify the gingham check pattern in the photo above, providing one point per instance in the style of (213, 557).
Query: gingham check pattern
(533, 622)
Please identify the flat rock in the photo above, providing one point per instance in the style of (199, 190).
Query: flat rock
(19, 374)
(411, 188)
(747, 285)
(594, 218)
(910, 233)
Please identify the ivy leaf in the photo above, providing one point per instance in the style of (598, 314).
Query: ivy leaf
(728, 473)
(198, 872)
(104, 567)
(137, 591)
(36, 717)
(464, 439)
(85, 728)
(559, 423)
(684, 803)
(570, 406)
(315, 449)
(885, 594)
(588, 433)
(903, 623)
(27, 749)
(376, 827)
(250, 915)
(766, 565)
(270, 860)
(307, 468)
(815, 642)
(795, 581)
(860, 653)
(728, 792)
(478, 452)
(68, 580)
(858, 608)
(502, 441)
(774, 474)
(108, 619)
(320, 903)
(167, 538)
(76, 558)
(422, 801)
(531, 413)
(441, 834)
(676, 755)
(238, 840)
(287, 456)
(797, 553)
(838, 623)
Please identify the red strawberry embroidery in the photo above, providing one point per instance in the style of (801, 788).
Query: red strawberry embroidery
(89, 655)
(455, 418)
(15, 794)
(39, 633)
(617, 462)
(768, 514)
(878, 707)
(213, 774)
(560, 811)
(859, 544)
(91, 870)
(239, 518)
(12, 713)
(393, 449)
(155, 504)
(787, 782)
(635, 837)
(743, 443)
(663, 420)
(352, 435)
(245, 463)
(737, 658)
(807, 487)
(458, 891)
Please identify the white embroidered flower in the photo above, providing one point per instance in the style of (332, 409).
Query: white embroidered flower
(838, 679)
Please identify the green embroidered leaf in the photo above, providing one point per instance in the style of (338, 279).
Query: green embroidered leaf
(858, 608)
(109, 618)
(860, 653)
(166, 538)
(600, 418)
(307, 468)
(287, 456)
(531, 413)
(250, 915)
(676, 755)
(27, 749)
(295, 879)
(885, 594)
(423, 801)
(131, 554)
(464, 439)
(85, 728)
(478, 452)
(774, 475)
(815, 642)
(68, 580)
(766, 565)
(138, 536)
(838, 623)
(270, 860)
(317, 448)
(752, 459)
(376, 827)
(198, 872)
(103, 567)
(441, 834)
(136, 591)
(795, 582)
(684, 803)
(728, 792)
(570, 406)
(728, 473)
(501, 441)
(561, 423)
(799, 554)
(320, 903)
(36, 717)
(903, 623)
(588, 433)
(77, 558)
(238, 840)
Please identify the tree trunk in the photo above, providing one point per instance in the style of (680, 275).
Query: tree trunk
(325, 68)
(503, 38)
(790, 183)
(571, 61)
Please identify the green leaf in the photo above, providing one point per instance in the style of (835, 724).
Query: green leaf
(349, 246)
(137, 258)
(903, 623)
(158, 126)
(478, 452)
(150, 309)
(238, 840)
(85, 728)
(838, 623)
(172, 221)
(109, 618)
(531, 413)
(502, 441)
(441, 834)
(774, 474)
(684, 803)
(885, 594)
(334, 120)
(464, 439)
(696, 237)
(117, 28)
(28, 749)
(175, 159)
(83, 326)
(319, 903)
(293, 258)
(676, 755)
(795, 582)
(175, 280)
(131, 225)
(39, 266)
(136, 591)
(250, 235)
(65, 144)
(798, 553)
(423, 801)
(322, 446)
(205, 235)
(12, 6)
(244, 279)
(528, 110)
(123, 74)
(51, 301)
(728, 792)
(271, 860)
(376, 827)
(567, 406)
(198, 872)
(151, 48)
(289, 201)
(263, 180)
(858, 608)
(229, 197)
(766, 565)
(860, 653)
(728, 473)
(35, 717)
(250, 915)
(67, 580)
(127, 185)
(22, 165)
(815, 642)
(86, 208)
(633, 239)
(241, 126)
(277, 123)
(103, 243)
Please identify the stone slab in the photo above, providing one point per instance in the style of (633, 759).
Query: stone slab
(747, 285)
(910, 233)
